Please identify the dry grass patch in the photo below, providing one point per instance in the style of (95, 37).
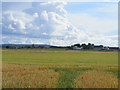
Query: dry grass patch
(96, 79)
(24, 76)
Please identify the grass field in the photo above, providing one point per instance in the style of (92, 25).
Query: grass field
(59, 69)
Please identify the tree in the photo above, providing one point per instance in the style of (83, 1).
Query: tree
(84, 46)
(33, 45)
(78, 45)
(10, 47)
(90, 46)
(7, 46)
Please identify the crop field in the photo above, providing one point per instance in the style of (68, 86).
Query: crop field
(59, 69)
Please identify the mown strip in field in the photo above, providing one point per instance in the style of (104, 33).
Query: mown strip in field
(67, 76)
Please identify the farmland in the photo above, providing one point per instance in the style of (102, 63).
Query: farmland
(59, 69)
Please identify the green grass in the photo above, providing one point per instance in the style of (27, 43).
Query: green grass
(61, 58)
(41, 49)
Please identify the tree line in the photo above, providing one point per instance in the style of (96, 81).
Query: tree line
(84, 46)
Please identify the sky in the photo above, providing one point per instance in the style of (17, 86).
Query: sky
(60, 23)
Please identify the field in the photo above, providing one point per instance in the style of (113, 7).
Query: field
(59, 69)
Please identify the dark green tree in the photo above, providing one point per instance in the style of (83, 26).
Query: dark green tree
(78, 45)
(33, 46)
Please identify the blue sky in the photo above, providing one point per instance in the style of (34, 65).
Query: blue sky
(96, 19)
(108, 11)
(89, 7)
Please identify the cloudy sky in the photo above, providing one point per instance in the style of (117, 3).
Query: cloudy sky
(60, 23)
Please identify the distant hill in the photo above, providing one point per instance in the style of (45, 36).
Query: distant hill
(23, 45)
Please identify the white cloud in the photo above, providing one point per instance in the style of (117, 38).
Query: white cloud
(11, 27)
(48, 23)
(94, 24)
(104, 40)
(35, 15)
(44, 15)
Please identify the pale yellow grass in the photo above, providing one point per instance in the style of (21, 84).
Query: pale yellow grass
(96, 79)
(25, 76)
